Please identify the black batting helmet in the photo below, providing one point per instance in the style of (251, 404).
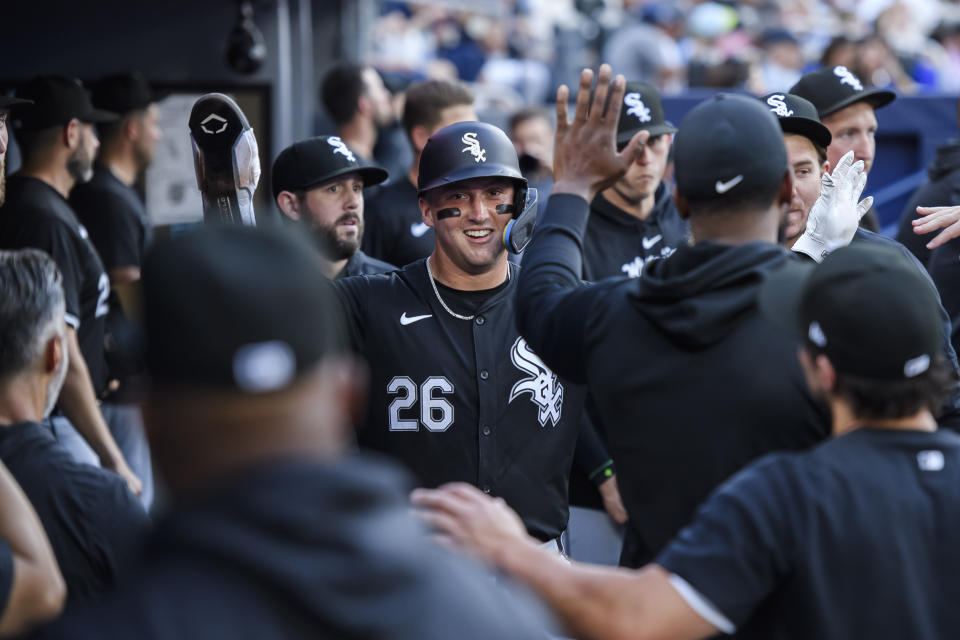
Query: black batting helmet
(467, 150)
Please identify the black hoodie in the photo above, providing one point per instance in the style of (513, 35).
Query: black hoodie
(941, 189)
(301, 550)
(617, 243)
(691, 382)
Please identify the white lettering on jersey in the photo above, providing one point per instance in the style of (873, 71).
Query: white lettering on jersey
(339, 146)
(633, 269)
(542, 385)
(847, 77)
(637, 108)
(779, 106)
(649, 242)
(473, 146)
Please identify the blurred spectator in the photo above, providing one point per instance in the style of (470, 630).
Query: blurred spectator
(531, 130)
(783, 61)
(647, 51)
(358, 103)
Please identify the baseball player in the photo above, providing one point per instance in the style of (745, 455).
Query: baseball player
(318, 184)
(634, 220)
(455, 392)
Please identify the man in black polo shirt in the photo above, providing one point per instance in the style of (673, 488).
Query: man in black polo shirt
(58, 143)
(318, 185)
(113, 213)
(455, 392)
(93, 521)
(276, 530)
(852, 539)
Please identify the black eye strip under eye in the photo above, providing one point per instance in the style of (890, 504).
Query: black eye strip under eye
(454, 212)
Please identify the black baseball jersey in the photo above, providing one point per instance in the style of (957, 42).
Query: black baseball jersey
(360, 264)
(36, 215)
(690, 381)
(394, 229)
(619, 244)
(115, 217)
(852, 539)
(463, 400)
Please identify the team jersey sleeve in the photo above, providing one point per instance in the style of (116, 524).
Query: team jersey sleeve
(352, 293)
(55, 238)
(554, 306)
(741, 543)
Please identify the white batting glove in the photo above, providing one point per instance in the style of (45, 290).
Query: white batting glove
(836, 214)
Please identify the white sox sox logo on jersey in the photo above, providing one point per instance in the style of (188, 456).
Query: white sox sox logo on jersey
(637, 108)
(340, 147)
(542, 385)
(846, 77)
(473, 146)
(779, 106)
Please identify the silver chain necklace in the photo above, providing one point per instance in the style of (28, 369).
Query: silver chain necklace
(433, 283)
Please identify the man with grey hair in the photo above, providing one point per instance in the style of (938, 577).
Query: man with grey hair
(58, 144)
(92, 520)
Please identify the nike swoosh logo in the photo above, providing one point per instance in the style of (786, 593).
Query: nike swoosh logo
(405, 319)
(417, 229)
(649, 242)
(723, 187)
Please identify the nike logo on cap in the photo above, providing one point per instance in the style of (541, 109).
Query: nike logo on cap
(649, 242)
(405, 319)
(417, 229)
(723, 187)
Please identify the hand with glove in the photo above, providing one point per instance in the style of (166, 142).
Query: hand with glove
(836, 214)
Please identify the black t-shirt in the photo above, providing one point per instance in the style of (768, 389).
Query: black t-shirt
(361, 264)
(855, 538)
(92, 520)
(115, 217)
(36, 215)
(394, 230)
(6, 574)
(463, 400)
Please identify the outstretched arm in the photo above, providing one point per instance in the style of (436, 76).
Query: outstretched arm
(553, 309)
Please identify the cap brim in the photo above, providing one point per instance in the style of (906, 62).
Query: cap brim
(655, 130)
(96, 116)
(369, 175)
(807, 128)
(876, 97)
(780, 295)
(7, 102)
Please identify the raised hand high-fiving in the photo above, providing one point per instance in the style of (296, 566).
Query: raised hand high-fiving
(585, 158)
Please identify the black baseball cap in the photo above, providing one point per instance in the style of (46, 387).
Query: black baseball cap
(235, 307)
(8, 102)
(124, 92)
(798, 115)
(58, 100)
(313, 161)
(728, 145)
(641, 111)
(833, 88)
(866, 306)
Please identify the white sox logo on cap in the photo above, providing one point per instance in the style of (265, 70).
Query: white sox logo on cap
(779, 106)
(473, 146)
(637, 108)
(339, 146)
(847, 77)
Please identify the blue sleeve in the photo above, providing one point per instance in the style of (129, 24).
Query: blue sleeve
(554, 306)
(6, 574)
(740, 545)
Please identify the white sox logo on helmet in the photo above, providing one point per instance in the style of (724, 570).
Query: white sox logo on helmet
(473, 146)
(779, 106)
(542, 385)
(339, 146)
(847, 77)
(637, 108)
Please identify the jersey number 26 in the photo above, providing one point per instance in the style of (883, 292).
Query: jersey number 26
(436, 412)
